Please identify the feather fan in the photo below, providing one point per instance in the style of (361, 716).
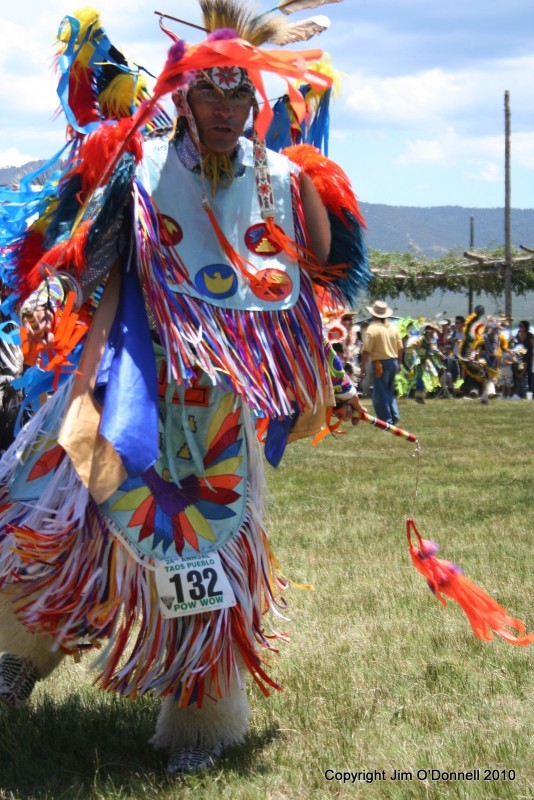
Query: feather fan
(290, 6)
(302, 31)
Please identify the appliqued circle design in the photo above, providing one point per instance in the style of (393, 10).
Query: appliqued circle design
(170, 231)
(258, 241)
(271, 285)
(217, 281)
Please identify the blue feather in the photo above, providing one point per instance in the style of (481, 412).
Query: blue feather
(348, 247)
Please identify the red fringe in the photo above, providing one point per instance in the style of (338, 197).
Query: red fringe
(143, 653)
(81, 95)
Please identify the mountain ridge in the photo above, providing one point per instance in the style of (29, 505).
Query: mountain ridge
(427, 231)
(433, 231)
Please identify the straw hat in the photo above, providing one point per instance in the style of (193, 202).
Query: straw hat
(380, 309)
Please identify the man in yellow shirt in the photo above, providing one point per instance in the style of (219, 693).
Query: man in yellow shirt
(382, 346)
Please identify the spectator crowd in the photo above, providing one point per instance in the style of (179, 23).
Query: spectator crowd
(477, 357)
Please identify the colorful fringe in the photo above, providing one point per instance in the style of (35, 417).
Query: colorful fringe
(83, 583)
(270, 359)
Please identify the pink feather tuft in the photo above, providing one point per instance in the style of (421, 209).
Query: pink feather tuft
(427, 548)
(175, 54)
(223, 33)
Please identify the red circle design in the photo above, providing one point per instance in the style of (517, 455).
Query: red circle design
(271, 285)
(258, 241)
(170, 232)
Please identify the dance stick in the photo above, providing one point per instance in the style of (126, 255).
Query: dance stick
(385, 426)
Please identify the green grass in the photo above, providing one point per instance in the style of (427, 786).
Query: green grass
(377, 676)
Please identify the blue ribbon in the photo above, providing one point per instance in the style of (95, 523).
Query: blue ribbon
(127, 385)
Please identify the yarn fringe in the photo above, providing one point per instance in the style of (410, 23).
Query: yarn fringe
(82, 584)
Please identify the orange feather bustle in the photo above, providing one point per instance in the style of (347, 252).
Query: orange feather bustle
(329, 179)
(485, 615)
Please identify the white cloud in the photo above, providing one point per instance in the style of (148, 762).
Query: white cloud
(471, 97)
(522, 149)
(422, 151)
(452, 148)
(26, 73)
(14, 158)
(405, 100)
(489, 173)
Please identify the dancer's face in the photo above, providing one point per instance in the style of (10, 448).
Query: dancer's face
(220, 118)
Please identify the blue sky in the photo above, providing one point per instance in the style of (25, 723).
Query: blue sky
(421, 118)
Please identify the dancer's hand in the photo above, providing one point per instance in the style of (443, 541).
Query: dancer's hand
(39, 323)
(349, 410)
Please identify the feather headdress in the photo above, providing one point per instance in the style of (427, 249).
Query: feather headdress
(267, 27)
(241, 17)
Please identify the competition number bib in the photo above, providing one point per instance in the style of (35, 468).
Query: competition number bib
(193, 585)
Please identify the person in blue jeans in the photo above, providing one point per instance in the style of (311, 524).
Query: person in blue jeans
(382, 346)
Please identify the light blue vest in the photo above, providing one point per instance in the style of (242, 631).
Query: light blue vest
(177, 192)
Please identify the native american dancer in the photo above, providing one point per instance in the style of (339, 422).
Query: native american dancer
(422, 362)
(176, 318)
(480, 354)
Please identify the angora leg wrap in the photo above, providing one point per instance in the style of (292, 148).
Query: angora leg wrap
(36, 649)
(221, 723)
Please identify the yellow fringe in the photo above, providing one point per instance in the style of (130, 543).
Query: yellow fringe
(219, 169)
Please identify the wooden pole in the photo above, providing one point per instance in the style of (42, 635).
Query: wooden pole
(471, 246)
(507, 211)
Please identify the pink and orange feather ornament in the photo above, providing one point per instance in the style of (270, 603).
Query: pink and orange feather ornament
(445, 579)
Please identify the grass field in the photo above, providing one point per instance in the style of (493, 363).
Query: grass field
(378, 678)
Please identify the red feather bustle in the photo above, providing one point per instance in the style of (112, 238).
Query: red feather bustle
(29, 253)
(99, 150)
(65, 255)
(34, 264)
